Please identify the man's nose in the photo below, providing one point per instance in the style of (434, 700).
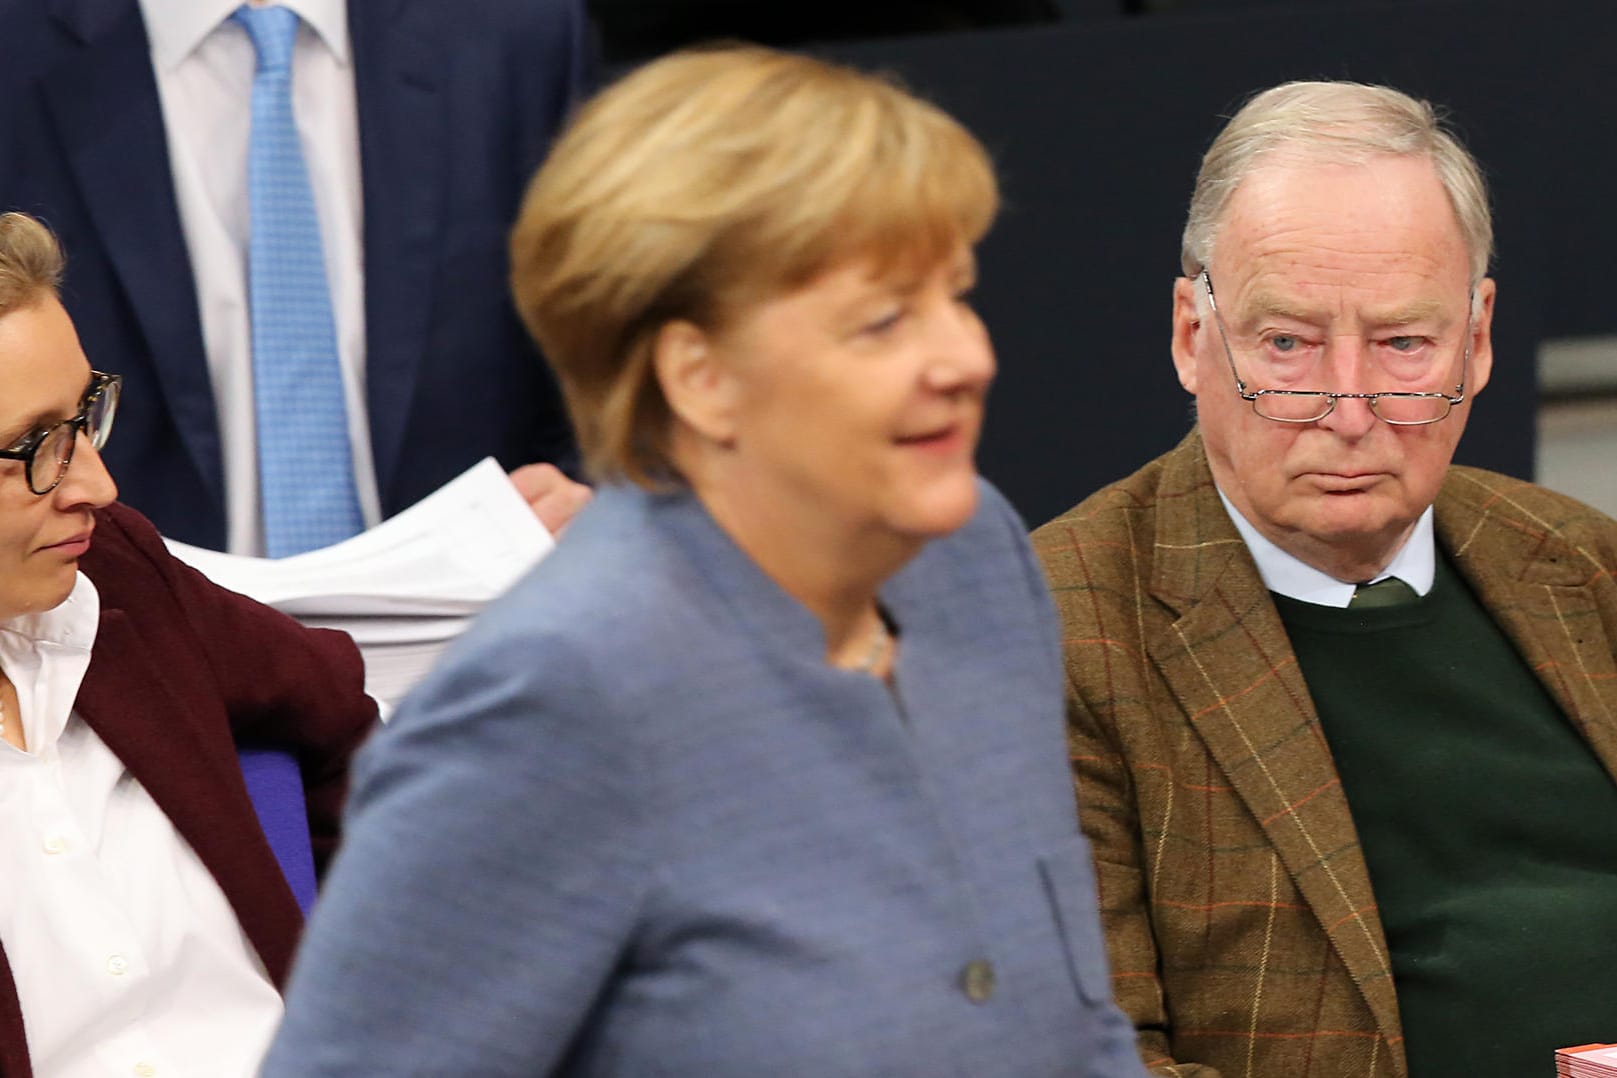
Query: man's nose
(1347, 366)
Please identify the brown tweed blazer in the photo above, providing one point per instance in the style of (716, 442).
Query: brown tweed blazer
(1243, 932)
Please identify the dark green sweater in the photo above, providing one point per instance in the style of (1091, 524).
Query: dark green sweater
(1489, 827)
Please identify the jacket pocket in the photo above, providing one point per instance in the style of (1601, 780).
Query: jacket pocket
(1069, 884)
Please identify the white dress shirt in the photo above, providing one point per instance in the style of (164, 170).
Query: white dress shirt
(204, 65)
(1415, 564)
(127, 958)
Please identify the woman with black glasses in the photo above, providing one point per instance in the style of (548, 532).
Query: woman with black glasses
(145, 922)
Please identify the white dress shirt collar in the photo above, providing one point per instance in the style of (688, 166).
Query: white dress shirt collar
(1415, 564)
(125, 954)
(67, 631)
(176, 27)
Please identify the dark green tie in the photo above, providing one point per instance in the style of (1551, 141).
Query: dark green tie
(1388, 592)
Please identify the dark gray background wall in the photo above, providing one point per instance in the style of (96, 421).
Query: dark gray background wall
(1098, 129)
(1097, 124)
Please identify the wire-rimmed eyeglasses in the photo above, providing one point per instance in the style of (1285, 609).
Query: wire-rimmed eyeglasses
(47, 451)
(1308, 406)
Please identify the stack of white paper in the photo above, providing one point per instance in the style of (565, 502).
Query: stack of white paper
(1587, 1061)
(407, 587)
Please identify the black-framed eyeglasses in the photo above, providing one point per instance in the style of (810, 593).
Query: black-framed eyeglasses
(1308, 406)
(48, 451)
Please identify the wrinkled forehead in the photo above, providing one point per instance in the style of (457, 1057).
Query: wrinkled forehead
(1384, 228)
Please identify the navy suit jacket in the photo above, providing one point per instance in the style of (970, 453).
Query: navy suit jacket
(180, 671)
(457, 103)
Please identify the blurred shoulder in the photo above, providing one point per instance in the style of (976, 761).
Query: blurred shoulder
(994, 523)
(614, 641)
(979, 588)
(543, 664)
(624, 608)
(992, 543)
(619, 566)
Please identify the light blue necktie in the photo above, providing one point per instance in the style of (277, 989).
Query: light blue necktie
(305, 468)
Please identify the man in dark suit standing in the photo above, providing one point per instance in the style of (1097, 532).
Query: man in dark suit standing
(131, 126)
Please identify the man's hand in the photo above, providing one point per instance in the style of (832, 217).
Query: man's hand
(554, 498)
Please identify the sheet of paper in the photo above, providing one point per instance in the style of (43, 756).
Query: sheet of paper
(406, 587)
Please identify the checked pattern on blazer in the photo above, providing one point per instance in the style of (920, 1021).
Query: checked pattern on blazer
(1243, 932)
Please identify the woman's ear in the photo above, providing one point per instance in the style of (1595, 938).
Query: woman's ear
(698, 384)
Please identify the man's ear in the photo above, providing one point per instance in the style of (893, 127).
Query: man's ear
(1188, 327)
(698, 384)
(1481, 338)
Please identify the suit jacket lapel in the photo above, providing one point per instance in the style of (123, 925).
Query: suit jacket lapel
(398, 81)
(190, 769)
(1543, 591)
(105, 104)
(1229, 662)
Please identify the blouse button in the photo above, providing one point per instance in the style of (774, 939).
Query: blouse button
(977, 980)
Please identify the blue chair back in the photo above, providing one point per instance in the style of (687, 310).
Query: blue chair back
(276, 787)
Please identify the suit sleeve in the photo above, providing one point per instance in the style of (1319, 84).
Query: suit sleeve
(494, 861)
(1098, 673)
(282, 684)
(1109, 819)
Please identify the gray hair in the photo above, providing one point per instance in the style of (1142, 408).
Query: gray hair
(1337, 122)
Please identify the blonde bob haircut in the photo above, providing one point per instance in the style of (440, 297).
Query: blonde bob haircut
(1337, 123)
(30, 262)
(710, 180)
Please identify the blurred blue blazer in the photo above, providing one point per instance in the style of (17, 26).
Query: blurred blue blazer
(634, 824)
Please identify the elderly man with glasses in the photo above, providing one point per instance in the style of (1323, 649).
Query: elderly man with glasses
(145, 921)
(1343, 715)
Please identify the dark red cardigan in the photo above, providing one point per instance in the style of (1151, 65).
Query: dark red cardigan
(182, 670)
